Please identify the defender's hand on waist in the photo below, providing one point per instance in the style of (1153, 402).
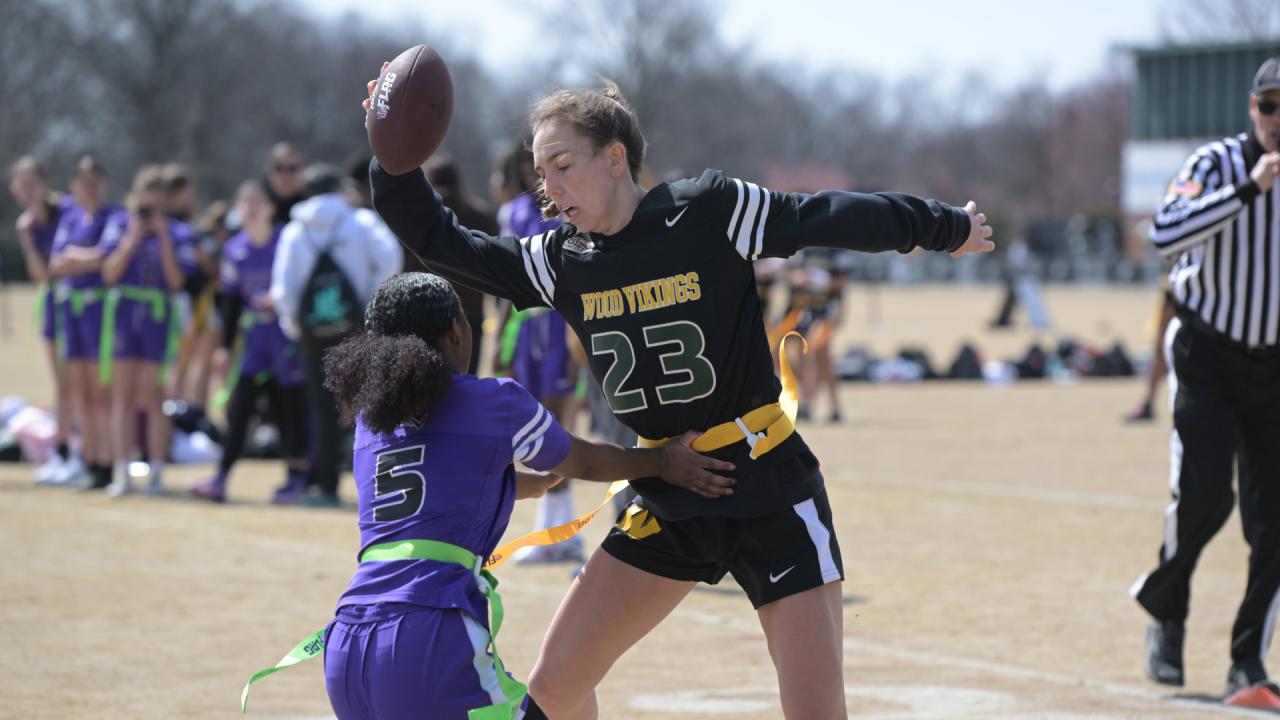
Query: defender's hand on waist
(685, 467)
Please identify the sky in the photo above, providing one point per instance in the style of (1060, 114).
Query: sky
(1006, 41)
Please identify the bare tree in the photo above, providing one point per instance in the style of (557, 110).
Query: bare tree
(1220, 20)
(215, 82)
(38, 85)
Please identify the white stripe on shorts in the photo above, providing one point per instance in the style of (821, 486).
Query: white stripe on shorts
(482, 660)
(821, 539)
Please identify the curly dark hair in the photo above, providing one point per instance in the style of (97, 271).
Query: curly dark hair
(393, 369)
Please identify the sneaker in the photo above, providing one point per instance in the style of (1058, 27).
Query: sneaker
(834, 419)
(73, 472)
(120, 487)
(293, 490)
(155, 488)
(50, 470)
(1247, 675)
(287, 495)
(320, 500)
(1142, 413)
(210, 490)
(1164, 652)
(93, 479)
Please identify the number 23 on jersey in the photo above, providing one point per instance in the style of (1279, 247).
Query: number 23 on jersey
(681, 344)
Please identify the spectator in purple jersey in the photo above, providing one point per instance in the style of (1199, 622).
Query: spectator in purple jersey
(413, 633)
(541, 362)
(265, 359)
(148, 256)
(38, 223)
(76, 261)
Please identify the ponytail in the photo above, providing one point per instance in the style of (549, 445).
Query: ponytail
(392, 372)
(386, 380)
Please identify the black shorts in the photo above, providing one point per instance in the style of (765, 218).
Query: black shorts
(771, 556)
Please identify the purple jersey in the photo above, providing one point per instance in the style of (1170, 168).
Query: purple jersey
(42, 235)
(145, 268)
(246, 270)
(450, 479)
(522, 218)
(79, 229)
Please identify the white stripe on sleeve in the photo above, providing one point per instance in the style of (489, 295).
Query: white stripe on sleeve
(533, 251)
(528, 453)
(529, 447)
(737, 211)
(518, 439)
(743, 242)
(764, 216)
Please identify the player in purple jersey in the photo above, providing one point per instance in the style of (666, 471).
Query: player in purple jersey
(265, 359)
(76, 261)
(147, 258)
(42, 210)
(434, 465)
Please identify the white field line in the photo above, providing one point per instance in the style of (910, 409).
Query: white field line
(1015, 671)
(983, 666)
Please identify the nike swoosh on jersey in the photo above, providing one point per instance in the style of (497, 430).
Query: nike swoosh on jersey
(672, 222)
(773, 579)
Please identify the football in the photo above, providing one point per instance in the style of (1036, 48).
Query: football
(410, 109)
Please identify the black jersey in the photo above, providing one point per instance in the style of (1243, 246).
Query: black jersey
(667, 307)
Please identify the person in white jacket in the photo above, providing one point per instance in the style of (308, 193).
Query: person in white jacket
(367, 255)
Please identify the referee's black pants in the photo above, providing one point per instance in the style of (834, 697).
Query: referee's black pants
(1226, 404)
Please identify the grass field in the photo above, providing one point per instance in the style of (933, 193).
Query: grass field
(989, 538)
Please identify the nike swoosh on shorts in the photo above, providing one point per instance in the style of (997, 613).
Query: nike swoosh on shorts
(773, 579)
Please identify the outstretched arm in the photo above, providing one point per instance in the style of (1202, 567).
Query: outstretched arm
(765, 223)
(676, 462)
(890, 221)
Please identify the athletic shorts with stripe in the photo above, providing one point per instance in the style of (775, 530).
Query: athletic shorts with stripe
(771, 557)
(395, 661)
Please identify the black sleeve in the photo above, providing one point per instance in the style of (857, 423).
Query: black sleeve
(508, 267)
(229, 306)
(875, 223)
(767, 223)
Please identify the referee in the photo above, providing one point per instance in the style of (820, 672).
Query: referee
(1221, 221)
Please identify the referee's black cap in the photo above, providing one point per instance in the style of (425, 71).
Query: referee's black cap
(1268, 77)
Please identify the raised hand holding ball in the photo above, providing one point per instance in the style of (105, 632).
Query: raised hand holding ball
(409, 109)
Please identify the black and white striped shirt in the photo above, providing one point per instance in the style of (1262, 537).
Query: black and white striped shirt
(1227, 234)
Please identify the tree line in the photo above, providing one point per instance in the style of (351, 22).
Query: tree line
(213, 83)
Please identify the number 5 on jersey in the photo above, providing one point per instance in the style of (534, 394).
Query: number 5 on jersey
(686, 359)
(390, 481)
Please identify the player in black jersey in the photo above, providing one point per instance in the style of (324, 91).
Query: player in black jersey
(659, 287)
